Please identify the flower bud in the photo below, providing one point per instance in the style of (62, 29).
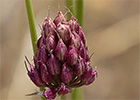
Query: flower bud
(92, 78)
(72, 56)
(59, 18)
(37, 58)
(50, 42)
(61, 50)
(79, 67)
(66, 74)
(82, 36)
(82, 50)
(74, 26)
(62, 90)
(48, 26)
(75, 39)
(54, 66)
(64, 32)
(34, 75)
(43, 55)
(49, 93)
(40, 42)
(87, 74)
(45, 76)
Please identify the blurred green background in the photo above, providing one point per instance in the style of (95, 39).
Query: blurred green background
(112, 31)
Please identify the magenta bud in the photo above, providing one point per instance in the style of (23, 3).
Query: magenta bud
(64, 32)
(72, 56)
(54, 66)
(43, 55)
(37, 58)
(66, 74)
(45, 76)
(75, 40)
(61, 50)
(82, 36)
(79, 67)
(59, 18)
(50, 42)
(82, 51)
(74, 26)
(92, 78)
(87, 74)
(34, 75)
(48, 26)
(40, 42)
(49, 93)
(62, 90)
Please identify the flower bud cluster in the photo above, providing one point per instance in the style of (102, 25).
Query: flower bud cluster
(62, 61)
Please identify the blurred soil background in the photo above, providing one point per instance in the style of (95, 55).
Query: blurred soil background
(112, 31)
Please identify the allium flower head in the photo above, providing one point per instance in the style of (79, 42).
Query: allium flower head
(61, 61)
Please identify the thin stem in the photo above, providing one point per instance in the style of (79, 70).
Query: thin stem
(63, 97)
(69, 4)
(32, 30)
(79, 11)
(31, 24)
(77, 93)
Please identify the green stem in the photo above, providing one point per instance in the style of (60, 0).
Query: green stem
(69, 4)
(79, 11)
(77, 93)
(31, 24)
(63, 97)
(33, 31)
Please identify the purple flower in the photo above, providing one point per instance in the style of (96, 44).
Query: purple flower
(50, 93)
(61, 62)
(62, 90)
(66, 74)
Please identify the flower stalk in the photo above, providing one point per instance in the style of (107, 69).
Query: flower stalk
(33, 31)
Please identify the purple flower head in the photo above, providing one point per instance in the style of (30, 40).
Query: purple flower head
(61, 62)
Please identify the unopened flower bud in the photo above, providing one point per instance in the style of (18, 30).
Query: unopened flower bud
(50, 42)
(87, 74)
(75, 39)
(49, 26)
(63, 89)
(59, 18)
(82, 36)
(61, 50)
(79, 67)
(40, 42)
(82, 50)
(34, 75)
(92, 78)
(45, 76)
(66, 74)
(37, 58)
(74, 26)
(43, 55)
(49, 93)
(54, 66)
(72, 56)
(64, 32)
